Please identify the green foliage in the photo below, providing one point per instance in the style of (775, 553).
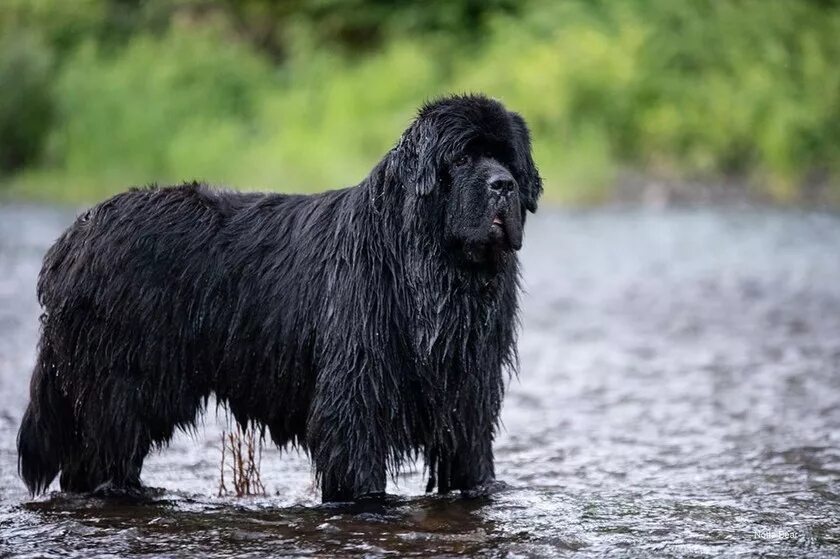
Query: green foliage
(25, 99)
(301, 96)
(153, 112)
(681, 88)
(61, 24)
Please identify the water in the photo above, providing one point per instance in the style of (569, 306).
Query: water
(679, 396)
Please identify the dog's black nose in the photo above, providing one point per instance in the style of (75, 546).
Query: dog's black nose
(501, 183)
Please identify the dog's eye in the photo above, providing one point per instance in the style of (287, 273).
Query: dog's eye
(461, 160)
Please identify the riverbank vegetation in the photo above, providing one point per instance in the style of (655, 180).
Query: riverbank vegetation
(96, 95)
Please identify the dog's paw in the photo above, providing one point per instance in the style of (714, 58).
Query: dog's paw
(129, 493)
(485, 489)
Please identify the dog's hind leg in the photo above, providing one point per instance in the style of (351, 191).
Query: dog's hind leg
(76, 473)
(111, 443)
(113, 469)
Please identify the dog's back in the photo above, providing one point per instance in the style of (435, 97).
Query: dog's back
(147, 307)
(89, 355)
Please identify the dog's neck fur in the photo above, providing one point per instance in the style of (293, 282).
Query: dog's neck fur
(439, 284)
(387, 191)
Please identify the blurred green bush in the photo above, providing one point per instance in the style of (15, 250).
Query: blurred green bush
(302, 96)
(26, 101)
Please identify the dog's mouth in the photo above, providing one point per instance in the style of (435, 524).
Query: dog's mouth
(498, 234)
(505, 231)
(502, 236)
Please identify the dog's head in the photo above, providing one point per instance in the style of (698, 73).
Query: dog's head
(470, 158)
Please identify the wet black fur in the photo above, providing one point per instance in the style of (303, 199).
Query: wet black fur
(370, 325)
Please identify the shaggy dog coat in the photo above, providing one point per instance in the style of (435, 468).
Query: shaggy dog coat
(369, 326)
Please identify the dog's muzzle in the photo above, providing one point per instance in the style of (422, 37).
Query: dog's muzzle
(506, 220)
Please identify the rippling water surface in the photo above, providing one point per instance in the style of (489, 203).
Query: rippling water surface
(679, 396)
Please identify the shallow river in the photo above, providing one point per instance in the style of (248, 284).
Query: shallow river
(679, 395)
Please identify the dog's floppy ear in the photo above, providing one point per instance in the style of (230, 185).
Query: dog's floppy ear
(426, 172)
(530, 182)
(414, 161)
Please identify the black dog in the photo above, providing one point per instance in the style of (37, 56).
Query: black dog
(368, 325)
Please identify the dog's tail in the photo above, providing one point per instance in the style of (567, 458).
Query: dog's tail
(45, 430)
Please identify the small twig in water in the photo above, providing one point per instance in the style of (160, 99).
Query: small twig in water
(245, 461)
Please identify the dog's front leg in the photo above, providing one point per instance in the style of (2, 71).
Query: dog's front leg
(347, 436)
(471, 468)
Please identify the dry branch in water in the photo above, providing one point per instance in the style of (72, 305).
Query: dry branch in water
(244, 449)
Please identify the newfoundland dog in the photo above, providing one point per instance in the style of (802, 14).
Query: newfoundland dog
(369, 326)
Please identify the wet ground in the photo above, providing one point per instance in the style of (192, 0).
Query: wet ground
(679, 396)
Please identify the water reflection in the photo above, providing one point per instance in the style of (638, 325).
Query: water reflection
(678, 397)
